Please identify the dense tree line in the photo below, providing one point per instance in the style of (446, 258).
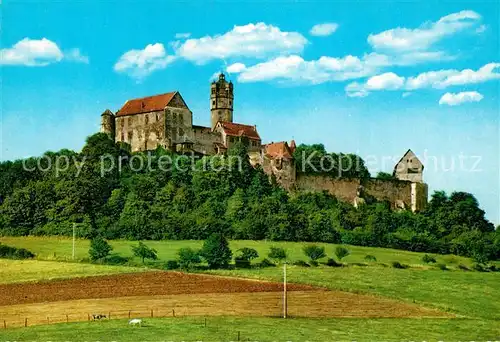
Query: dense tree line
(194, 200)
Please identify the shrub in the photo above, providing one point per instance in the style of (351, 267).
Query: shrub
(116, 259)
(428, 259)
(15, 253)
(265, 263)
(277, 254)
(463, 267)
(301, 263)
(493, 268)
(216, 251)
(370, 258)
(341, 252)
(241, 263)
(314, 252)
(144, 252)
(442, 267)
(247, 254)
(172, 265)
(397, 264)
(99, 249)
(478, 267)
(188, 257)
(332, 263)
(313, 263)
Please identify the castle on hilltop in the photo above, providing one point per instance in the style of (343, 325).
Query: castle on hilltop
(165, 120)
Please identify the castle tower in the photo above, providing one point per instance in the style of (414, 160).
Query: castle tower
(108, 123)
(221, 100)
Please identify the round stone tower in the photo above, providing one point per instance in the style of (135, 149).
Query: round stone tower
(221, 100)
(108, 123)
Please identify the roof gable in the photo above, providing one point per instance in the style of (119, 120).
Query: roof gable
(148, 104)
(409, 155)
(279, 150)
(237, 130)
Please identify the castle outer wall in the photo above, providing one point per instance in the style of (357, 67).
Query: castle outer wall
(401, 194)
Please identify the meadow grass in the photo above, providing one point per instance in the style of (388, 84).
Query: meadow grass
(60, 248)
(262, 329)
(14, 271)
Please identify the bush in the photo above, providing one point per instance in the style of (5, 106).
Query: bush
(301, 263)
(15, 253)
(428, 259)
(99, 249)
(397, 264)
(370, 258)
(116, 259)
(341, 252)
(172, 265)
(265, 263)
(247, 254)
(463, 267)
(313, 263)
(241, 263)
(332, 263)
(144, 252)
(216, 251)
(277, 254)
(188, 257)
(493, 268)
(314, 252)
(478, 267)
(442, 267)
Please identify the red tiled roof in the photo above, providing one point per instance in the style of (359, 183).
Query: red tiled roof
(146, 104)
(278, 150)
(235, 129)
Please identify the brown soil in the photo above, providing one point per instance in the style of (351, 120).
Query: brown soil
(163, 294)
(133, 284)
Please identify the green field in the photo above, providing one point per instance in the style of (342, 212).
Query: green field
(261, 329)
(13, 271)
(472, 296)
(51, 248)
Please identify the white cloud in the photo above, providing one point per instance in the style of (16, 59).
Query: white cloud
(182, 35)
(432, 79)
(75, 55)
(31, 52)
(140, 63)
(455, 99)
(422, 38)
(38, 52)
(294, 68)
(406, 94)
(325, 29)
(253, 40)
(236, 68)
(389, 81)
(445, 78)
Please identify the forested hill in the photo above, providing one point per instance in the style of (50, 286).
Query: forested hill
(184, 200)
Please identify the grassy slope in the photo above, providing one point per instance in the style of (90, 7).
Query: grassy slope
(260, 329)
(470, 294)
(48, 248)
(13, 271)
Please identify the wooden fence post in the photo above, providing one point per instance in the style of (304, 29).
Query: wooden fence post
(151, 313)
(109, 315)
(4, 324)
(48, 320)
(238, 335)
(128, 313)
(173, 312)
(25, 322)
(67, 319)
(88, 317)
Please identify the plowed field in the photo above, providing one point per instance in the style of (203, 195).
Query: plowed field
(173, 293)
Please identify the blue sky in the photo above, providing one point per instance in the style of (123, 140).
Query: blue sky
(368, 78)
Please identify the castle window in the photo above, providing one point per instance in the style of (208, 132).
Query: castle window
(146, 119)
(174, 118)
(129, 136)
(181, 119)
(123, 137)
(181, 132)
(213, 90)
(230, 103)
(213, 103)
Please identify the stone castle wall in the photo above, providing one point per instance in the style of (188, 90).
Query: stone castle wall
(401, 194)
(142, 131)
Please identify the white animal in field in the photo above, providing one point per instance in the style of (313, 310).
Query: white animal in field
(135, 321)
